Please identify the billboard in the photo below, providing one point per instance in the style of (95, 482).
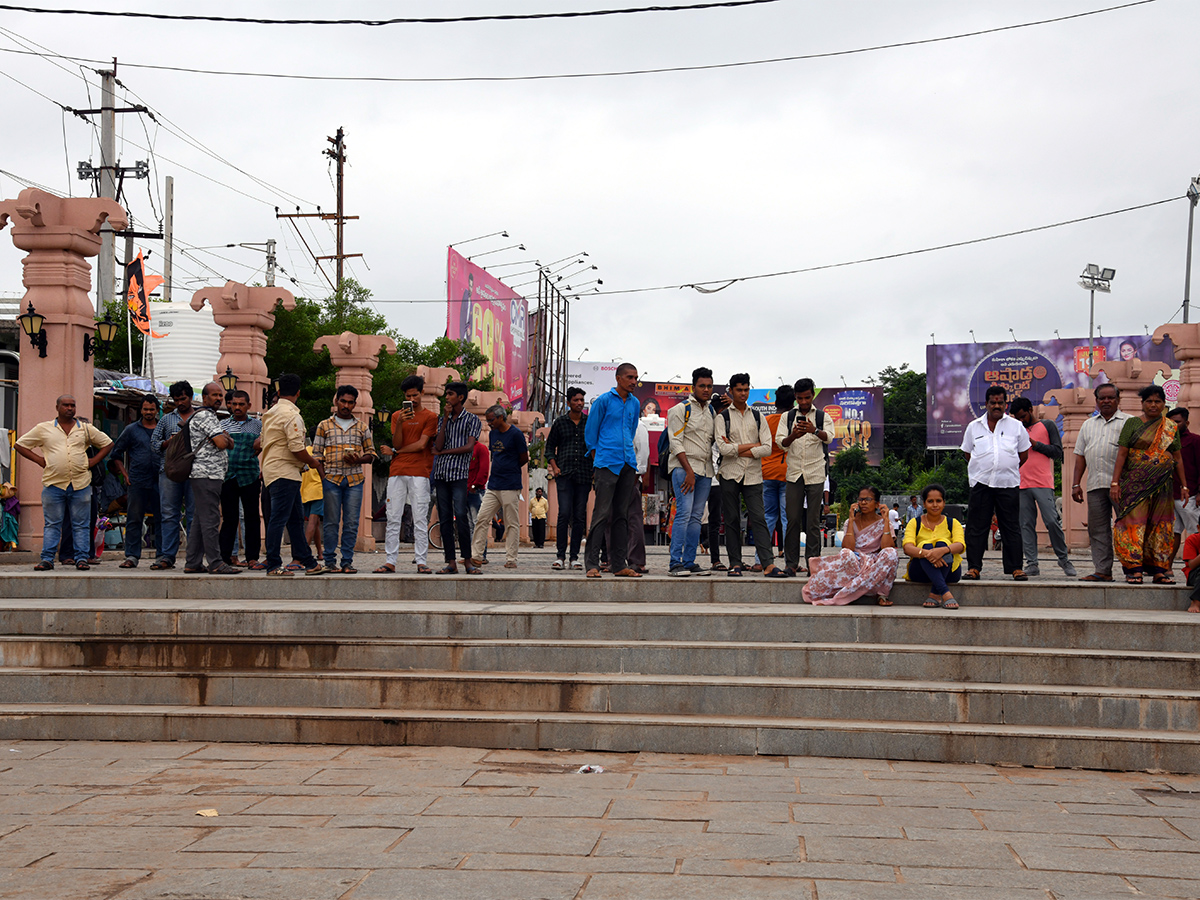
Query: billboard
(493, 317)
(958, 375)
(853, 415)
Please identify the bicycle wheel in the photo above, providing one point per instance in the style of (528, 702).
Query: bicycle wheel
(435, 531)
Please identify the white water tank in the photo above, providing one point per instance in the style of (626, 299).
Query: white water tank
(191, 349)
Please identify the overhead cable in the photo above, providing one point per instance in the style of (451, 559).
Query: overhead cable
(607, 74)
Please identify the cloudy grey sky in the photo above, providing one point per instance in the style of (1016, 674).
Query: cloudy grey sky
(675, 178)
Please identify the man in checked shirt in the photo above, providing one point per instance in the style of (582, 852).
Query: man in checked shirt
(342, 447)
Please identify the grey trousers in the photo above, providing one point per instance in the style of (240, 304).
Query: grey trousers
(1033, 499)
(637, 530)
(1100, 514)
(732, 493)
(205, 540)
(797, 492)
(611, 503)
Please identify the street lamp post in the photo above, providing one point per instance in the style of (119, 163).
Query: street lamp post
(1095, 279)
(1193, 194)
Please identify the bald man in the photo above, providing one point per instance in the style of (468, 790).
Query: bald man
(60, 448)
(209, 443)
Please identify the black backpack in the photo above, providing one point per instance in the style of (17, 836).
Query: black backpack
(757, 419)
(791, 420)
(178, 457)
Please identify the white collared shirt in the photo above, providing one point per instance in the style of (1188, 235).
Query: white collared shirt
(994, 459)
(1097, 443)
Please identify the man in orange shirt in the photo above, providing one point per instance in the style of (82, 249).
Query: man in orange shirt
(774, 467)
(413, 431)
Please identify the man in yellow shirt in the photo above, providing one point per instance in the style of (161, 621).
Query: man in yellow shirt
(66, 476)
(284, 454)
(539, 509)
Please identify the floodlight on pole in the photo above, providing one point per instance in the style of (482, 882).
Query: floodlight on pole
(1096, 279)
(480, 238)
(580, 356)
(972, 330)
(497, 250)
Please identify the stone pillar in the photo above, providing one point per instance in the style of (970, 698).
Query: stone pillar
(1186, 339)
(59, 234)
(435, 386)
(1130, 376)
(245, 315)
(356, 356)
(1075, 405)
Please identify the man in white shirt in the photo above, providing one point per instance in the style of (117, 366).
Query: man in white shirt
(996, 445)
(802, 435)
(1096, 457)
(743, 438)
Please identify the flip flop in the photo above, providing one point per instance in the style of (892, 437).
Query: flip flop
(128, 564)
(448, 569)
(884, 601)
(972, 575)
(388, 569)
(424, 570)
(933, 602)
(1133, 579)
(777, 573)
(735, 572)
(1095, 577)
(1163, 579)
(258, 567)
(949, 604)
(719, 567)
(593, 573)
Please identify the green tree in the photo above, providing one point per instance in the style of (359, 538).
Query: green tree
(903, 413)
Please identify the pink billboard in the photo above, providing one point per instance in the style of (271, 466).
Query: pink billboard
(493, 317)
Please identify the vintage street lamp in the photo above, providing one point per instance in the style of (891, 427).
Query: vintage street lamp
(229, 381)
(106, 332)
(1095, 279)
(381, 415)
(31, 324)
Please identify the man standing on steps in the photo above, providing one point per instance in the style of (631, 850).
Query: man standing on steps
(743, 438)
(1037, 488)
(510, 453)
(140, 469)
(243, 486)
(1096, 457)
(209, 443)
(66, 476)
(571, 467)
(457, 434)
(174, 496)
(342, 446)
(609, 433)
(413, 431)
(803, 436)
(1187, 512)
(690, 430)
(996, 446)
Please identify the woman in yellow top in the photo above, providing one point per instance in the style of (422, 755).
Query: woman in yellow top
(935, 545)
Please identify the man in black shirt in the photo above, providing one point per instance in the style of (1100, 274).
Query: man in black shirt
(571, 468)
(136, 461)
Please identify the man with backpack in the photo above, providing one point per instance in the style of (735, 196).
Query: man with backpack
(743, 438)
(802, 435)
(174, 495)
(689, 433)
(210, 461)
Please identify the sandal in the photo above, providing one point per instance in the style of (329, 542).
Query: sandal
(558, 564)
(884, 601)
(279, 572)
(424, 570)
(1095, 577)
(627, 573)
(949, 603)
(43, 567)
(128, 564)
(1133, 579)
(972, 575)
(294, 567)
(82, 565)
(258, 567)
(1019, 575)
(388, 569)
(719, 567)
(776, 572)
(160, 565)
(448, 569)
(933, 602)
(1163, 579)
(735, 572)
(593, 573)
(349, 570)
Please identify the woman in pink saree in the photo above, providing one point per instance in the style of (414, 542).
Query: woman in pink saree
(866, 564)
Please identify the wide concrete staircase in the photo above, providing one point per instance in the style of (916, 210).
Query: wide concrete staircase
(1051, 674)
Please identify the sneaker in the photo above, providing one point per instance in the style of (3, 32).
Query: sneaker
(697, 569)
(680, 571)
(1033, 571)
(1069, 569)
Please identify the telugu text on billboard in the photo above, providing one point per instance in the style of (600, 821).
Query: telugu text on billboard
(493, 317)
(958, 375)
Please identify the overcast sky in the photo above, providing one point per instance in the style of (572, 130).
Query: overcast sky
(668, 179)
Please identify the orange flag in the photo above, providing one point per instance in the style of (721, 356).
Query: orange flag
(141, 286)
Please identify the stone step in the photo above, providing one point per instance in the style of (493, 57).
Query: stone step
(825, 698)
(882, 662)
(1100, 748)
(551, 587)
(1145, 631)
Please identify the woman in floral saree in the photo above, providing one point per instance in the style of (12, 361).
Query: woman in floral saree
(1148, 459)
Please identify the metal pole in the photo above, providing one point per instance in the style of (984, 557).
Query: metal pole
(168, 238)
(271, 263)
(1091, 325)
(105, 276)
(1187, 271)
(341, 221)
(125, 294)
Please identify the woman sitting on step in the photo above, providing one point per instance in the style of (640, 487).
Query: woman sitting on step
(866, 564)
(935, 544)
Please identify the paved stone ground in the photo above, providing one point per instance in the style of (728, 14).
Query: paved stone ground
(111, 820)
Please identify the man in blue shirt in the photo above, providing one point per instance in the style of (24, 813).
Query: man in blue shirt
(611, 425)
(510, 453)
(140, 469)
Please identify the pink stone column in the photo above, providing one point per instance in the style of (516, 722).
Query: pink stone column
(1186, 339)
(245, 315)
(1075, 405)
(356, 356)
(1130, 376)
(59, 234)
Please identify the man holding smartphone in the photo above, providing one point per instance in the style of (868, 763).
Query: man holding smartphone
(411, 453)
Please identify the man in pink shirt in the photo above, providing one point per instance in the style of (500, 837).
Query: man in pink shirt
(1037, 487)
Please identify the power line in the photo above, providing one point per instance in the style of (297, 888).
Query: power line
(439, 20)
(607, 74)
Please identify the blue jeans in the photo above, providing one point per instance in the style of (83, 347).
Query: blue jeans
(285, 513)
(689, 510)
(775, 507)
(143, 501)
(55, 501)
(174, 497)
(343, 503)
(452, 516)
(922, 571)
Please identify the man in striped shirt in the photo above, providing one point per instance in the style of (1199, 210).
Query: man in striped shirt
(342, 447)
(458, 430)
(242, 486)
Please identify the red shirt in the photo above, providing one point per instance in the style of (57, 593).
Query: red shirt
(481, 466)
(1191, 546)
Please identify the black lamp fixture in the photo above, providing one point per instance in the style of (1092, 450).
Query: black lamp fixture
(382, 414)
(106, 332)
(269, 392)
(229, 381)
(31, 324)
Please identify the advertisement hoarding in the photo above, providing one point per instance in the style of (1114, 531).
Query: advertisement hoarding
(958, 375)
(493, 317)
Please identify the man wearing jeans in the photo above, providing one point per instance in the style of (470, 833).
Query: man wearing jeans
(284, 454)
(413, 429)
(174, 496)
(457, 434)
(690, 465)
(66, 475)
(743, 438)
(569, 464)
(209, 444)
(242, 487)
(803, 437)
(342, 446)
(140, 468)
(611, 426)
